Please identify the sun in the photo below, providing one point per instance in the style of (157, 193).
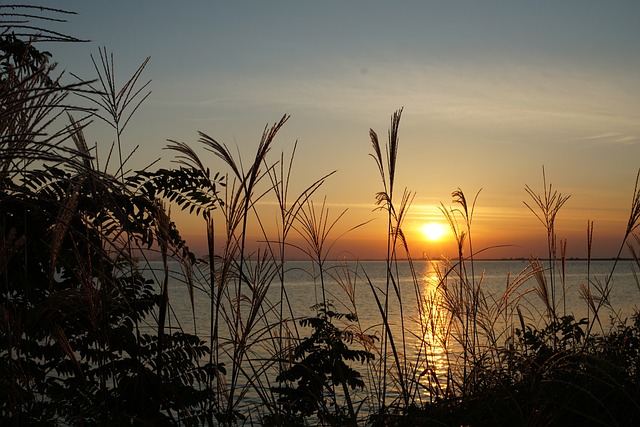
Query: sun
(433, 231)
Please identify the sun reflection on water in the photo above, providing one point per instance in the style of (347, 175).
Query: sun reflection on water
(433, 323)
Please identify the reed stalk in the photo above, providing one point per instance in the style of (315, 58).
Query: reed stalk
(116, 105)
(633, 222)
(280, 178)
(386, 165)
(548, 204)
(237, 209)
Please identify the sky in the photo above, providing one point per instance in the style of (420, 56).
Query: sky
(491, 91)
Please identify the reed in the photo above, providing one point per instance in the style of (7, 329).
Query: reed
(603, 288)
(549, 204)
(385, 200)
(255, 325)
(280, 178)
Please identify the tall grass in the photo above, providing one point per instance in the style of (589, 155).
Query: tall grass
(239, 280)
(549, 204)
(386, 165)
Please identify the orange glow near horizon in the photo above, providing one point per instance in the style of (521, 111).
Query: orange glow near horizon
(497, 232)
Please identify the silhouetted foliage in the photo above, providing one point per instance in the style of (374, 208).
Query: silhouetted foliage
(78, 341)
(320, 364)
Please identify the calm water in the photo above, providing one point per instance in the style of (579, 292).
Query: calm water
(302, 284)
(349, 288)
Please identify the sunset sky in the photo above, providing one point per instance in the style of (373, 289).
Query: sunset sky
(492, 91)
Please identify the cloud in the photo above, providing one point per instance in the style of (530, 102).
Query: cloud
(611, 139)
(477, 93)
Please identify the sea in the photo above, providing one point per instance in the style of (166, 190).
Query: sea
(508, 292)
(349, 286)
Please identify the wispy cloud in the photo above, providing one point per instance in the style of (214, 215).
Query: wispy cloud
(477, 94)
(611, 139)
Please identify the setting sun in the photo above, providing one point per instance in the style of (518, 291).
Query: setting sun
(433, 231)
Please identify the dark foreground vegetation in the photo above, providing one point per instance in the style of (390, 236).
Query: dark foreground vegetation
(87, 339)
